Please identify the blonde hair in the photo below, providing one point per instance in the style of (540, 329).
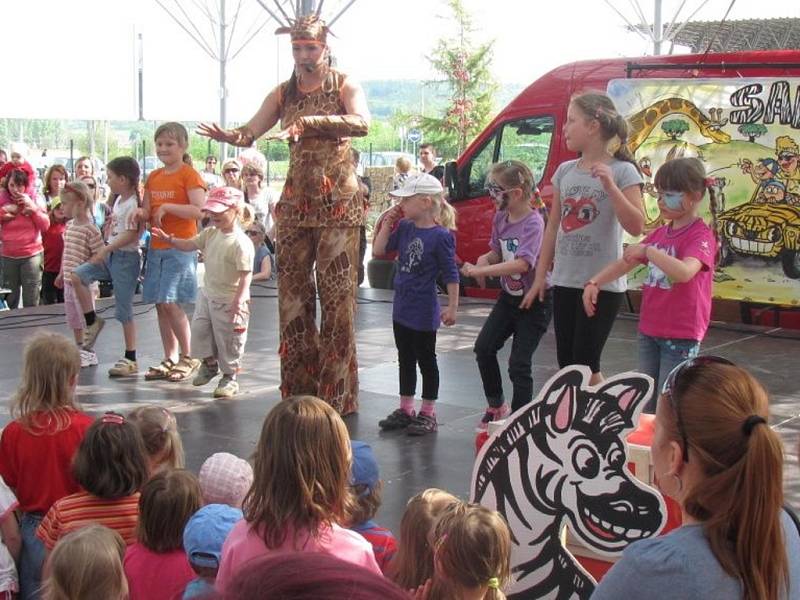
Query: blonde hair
(81, 192)
(413, 563)
(740, 496)
(50, 366)
(443, 213)
(159, 431)
(301, 471)
(87, 565)
(403, 165)
(174, 130)
(246, 214)
(472, 549)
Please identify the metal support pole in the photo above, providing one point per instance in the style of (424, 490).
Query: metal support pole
(658, 32)
(223, 92)
(308, 7)
(140, 61)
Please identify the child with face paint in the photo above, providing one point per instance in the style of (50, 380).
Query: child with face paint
(680, 257)
(517, 233)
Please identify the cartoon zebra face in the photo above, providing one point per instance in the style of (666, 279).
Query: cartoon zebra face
(563, 458)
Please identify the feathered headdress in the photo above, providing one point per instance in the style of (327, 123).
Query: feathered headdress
(309, 29)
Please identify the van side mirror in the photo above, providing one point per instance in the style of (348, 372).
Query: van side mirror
(451, 180)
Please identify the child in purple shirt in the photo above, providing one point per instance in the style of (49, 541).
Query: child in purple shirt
(676, 295)
(517, 232)
(426, 248)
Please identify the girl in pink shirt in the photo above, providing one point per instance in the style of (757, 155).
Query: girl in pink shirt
(156, 566)
(301, 474)
(680, 259)
(22, 223)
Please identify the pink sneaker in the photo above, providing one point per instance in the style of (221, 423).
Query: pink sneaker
(492, 414)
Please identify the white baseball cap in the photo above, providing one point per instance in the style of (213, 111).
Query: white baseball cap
(420, 184)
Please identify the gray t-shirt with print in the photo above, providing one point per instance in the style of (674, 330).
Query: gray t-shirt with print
(589, 235)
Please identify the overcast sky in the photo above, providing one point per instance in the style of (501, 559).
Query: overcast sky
(77, 59)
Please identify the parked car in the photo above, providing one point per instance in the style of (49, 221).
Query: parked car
(383, 159)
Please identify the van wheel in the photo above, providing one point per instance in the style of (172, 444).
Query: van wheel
(790, 259)
(725, 255)
(380, 274)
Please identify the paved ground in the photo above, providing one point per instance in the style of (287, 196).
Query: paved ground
(408, 464)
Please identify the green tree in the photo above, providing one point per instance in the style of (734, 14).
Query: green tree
(752, 130)
(464, 66)
(675, 128)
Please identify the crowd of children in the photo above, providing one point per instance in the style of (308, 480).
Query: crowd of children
(115, 515)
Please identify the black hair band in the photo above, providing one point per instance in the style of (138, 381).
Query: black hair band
(750, 422)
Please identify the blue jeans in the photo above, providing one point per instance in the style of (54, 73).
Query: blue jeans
(31, 558)
(657, 358)
(122, 269)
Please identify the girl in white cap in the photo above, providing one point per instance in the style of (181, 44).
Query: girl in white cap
(221, 315)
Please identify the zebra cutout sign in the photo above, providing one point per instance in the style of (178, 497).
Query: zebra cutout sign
(562, 459)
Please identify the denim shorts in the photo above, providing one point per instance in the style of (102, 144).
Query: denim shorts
(170, 277)
(122, 269)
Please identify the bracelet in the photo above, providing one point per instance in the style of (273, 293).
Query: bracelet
(591, 282)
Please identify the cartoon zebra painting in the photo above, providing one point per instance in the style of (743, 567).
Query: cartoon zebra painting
(562, 459)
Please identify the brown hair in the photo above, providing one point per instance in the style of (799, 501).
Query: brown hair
(167, 502)
(429, 146)
(48, 176)
(366, 502)
(87, 565)
(687, 175)
(111, 462)
(301, 470)
(85, 159)
(50, 367)
(472, 548)
(159, 430)
(174, 130)
(598, 106)
(739, 499)
(412, 566)
(513, 174)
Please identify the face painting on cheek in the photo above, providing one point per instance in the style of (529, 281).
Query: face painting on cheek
(672, 200)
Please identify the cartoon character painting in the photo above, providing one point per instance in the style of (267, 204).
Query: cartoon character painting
(560, 460)
(415, 250)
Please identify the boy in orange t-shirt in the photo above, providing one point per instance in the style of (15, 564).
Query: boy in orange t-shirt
(173, 198)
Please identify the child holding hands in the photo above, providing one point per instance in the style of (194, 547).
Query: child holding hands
(427, 248)
(676, 295)
(517, 231)
(221, 315)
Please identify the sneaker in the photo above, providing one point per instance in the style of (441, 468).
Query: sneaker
(228, 387)
(422, 424)
(492, 414)
(399, 419)
(123, 368)
(205, 374)
(92, 331)
(88, 358)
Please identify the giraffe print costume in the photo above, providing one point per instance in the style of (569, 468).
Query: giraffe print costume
(318, 219)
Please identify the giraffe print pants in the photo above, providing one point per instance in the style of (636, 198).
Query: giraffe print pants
(320, 362)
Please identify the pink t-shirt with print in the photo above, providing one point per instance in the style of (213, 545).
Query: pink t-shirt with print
(679, 310)
(244, 544)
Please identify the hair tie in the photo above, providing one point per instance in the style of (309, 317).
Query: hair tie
(169, 418)
(494, 583)
(750, 422)
(113, 418)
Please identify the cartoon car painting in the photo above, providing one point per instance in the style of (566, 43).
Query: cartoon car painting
(769, 231)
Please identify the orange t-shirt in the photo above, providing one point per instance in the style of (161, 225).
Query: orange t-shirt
(173, 188)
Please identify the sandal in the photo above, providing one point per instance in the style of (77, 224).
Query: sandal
(160, 371)
(183, 369)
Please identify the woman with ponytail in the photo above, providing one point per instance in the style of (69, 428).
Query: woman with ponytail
(716, 456)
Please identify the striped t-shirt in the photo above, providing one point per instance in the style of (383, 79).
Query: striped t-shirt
(78, 510)
(80, 242)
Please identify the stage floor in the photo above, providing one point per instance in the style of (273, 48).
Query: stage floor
(407, 464)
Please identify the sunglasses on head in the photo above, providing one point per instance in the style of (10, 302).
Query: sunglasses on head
(673, 379)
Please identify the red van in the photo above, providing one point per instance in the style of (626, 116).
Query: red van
(739, 112)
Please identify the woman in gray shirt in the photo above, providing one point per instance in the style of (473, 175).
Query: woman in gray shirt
(716, 456)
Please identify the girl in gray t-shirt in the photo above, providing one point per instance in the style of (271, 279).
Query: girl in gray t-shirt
(595, 198)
